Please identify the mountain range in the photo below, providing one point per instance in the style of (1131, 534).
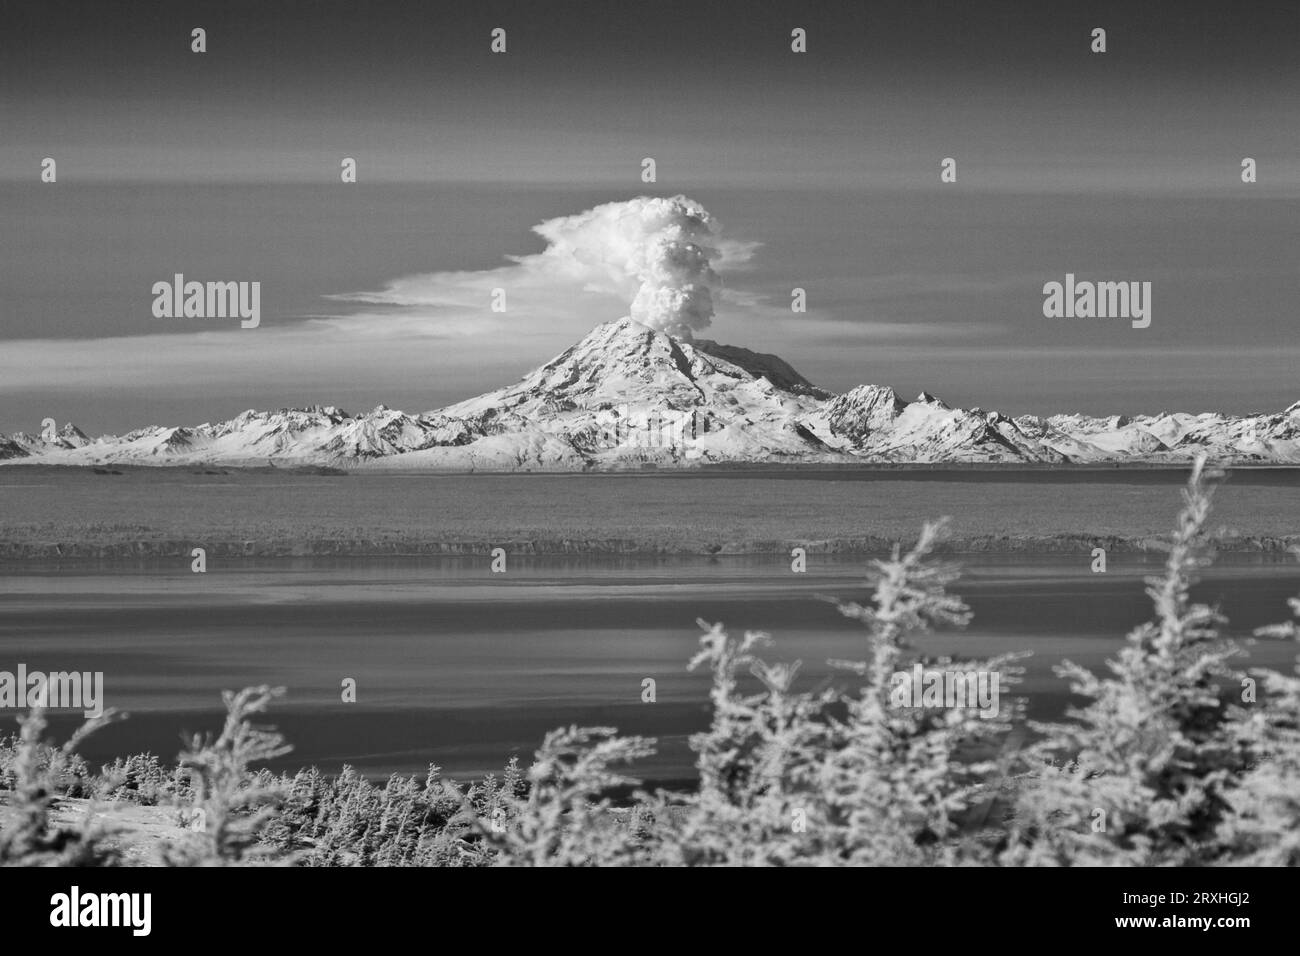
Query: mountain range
(629, 397)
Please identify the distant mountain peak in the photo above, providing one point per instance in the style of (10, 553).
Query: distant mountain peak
(925, 398)
(71, 433)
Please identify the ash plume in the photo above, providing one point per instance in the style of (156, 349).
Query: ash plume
(659, 251)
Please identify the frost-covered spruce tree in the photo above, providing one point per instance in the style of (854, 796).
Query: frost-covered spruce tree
(1263, 827)
(897, 779)
(1142, 773)
(758, 764)
(231, 809)
(567, 818)
(39, 774)
(785, 779)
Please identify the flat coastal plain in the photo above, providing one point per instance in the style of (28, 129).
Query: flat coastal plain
(49, 512)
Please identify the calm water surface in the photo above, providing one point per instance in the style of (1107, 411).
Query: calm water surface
(463, 668)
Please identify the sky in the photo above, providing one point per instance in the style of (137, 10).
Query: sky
(823, 167)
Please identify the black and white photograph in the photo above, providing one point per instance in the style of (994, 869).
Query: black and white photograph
(667, 434)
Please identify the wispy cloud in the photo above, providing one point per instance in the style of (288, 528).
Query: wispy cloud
(667, 262)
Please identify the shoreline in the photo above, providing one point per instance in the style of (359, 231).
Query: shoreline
(368, 467)
(83, 548)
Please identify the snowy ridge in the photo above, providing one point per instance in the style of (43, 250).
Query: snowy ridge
(627, 396)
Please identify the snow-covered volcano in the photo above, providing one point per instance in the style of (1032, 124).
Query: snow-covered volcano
(627, 396)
